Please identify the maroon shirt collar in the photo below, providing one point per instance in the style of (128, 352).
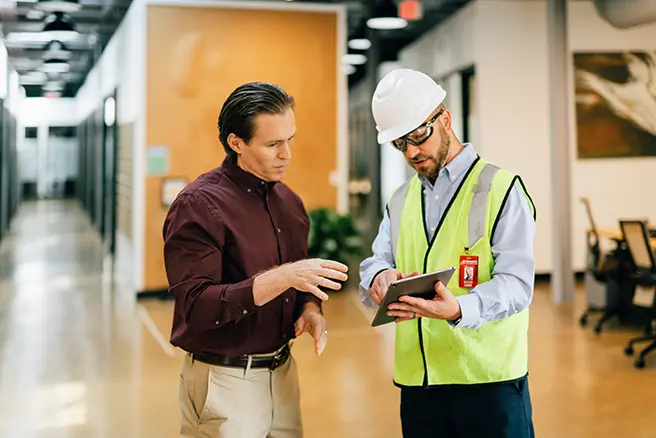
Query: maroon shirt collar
(245, 180)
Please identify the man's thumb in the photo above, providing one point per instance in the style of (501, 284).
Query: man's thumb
(439, 288)
(412, 274)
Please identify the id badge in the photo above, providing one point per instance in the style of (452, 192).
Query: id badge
(468, 271)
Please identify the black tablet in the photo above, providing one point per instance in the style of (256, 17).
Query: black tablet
(421, 286)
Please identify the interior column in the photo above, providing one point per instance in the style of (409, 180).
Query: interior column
(562, 278)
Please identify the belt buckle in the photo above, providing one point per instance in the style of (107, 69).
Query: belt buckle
(279, 359)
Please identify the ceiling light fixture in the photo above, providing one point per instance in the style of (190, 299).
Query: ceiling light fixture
(60, 26)
(348, 69)
(53, 86)
(67, 6)
(354, 59)
(386, 17)
(55, 66)
(359, 44)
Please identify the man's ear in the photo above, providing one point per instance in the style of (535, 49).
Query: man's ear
(235, 143)
(446, 116)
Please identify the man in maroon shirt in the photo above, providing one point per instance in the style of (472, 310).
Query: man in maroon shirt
(235, 249)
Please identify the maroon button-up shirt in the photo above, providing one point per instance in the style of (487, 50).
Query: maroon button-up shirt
(225, 227)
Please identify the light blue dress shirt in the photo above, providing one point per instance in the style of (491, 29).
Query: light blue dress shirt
(511, 288)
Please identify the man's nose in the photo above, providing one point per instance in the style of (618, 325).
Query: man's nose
(411, 151)
(285, 151)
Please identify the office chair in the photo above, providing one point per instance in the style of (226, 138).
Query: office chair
(603, 271)
(636, 236)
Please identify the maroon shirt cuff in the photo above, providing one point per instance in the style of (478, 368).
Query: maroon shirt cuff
(221, 304)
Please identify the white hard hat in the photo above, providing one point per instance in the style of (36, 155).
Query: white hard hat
(403, 100)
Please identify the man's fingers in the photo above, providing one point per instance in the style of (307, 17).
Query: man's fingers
(403, 307)
(375, 295)
(412, 274)
(404, 316)
(320, 344)
(299, 328)
(398, 320)
(328, 283)
(334, 274)
(318, 293)
(331, 264)
(439, 288)
(413, 301)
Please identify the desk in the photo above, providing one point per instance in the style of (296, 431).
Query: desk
(616, 234)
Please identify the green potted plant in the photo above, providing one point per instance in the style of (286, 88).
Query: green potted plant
(334, 237)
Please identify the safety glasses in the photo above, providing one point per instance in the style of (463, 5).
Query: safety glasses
(418, 136)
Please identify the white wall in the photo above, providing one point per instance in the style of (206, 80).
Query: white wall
(44, 157)
(506, 40)
(46, 112)
(122, 66)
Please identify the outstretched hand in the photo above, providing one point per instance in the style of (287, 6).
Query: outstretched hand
(313, 322)
(443, 306)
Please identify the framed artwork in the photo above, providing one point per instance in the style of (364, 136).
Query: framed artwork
(615, 104)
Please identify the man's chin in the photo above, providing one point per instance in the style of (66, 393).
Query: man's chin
(278, 174)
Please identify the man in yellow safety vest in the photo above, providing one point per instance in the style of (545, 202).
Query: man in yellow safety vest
(461, 358)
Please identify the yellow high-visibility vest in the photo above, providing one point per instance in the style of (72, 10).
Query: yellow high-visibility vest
(430, 351)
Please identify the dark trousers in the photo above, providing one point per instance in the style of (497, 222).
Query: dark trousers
(496, 410)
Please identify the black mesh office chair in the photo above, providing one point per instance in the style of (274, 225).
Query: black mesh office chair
(636, 236)
(605, 269)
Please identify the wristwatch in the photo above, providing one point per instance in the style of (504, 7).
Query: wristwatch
(456, 321)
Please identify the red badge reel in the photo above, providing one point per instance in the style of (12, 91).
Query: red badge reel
(468, 271)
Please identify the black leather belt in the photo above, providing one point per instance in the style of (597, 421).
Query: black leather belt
(270, 362)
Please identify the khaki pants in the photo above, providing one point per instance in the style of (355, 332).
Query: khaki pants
(226, 402)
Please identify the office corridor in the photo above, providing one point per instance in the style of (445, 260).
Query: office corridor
(79, 358)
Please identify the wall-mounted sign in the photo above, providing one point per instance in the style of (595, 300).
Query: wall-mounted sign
(157, 160)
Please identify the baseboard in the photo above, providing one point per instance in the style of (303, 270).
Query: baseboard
(546, 278)
(160, 294)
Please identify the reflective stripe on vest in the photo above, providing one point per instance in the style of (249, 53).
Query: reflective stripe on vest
(476, 214)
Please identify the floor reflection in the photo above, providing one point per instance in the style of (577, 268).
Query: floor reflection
(80, 358)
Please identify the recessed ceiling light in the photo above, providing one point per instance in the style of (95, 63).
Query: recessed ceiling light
(348, 69)
(354, 59)
(67, 6)
(35, 14)
(386, 23)
(359, 44)
(55, 66)
(53, 86)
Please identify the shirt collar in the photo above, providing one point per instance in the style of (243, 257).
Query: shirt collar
(459, 165)
(245, 180)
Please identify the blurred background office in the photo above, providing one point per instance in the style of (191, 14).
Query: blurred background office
(109, 108)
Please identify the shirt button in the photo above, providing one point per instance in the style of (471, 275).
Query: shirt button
(245, 312)
(432, 228)
(437, 196)
(216, 322)
(286, 300)
(278, 229)
(248, 190)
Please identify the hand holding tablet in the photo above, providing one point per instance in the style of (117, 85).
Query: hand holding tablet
(417, 288)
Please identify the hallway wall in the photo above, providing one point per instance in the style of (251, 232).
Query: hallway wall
(197, 56)
(507, 42)
(121, 67)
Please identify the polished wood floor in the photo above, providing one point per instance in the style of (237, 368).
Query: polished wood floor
(80, 358)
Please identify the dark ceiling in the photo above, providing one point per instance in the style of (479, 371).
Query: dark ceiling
(27, 45)
(390, 42)
(97, 20)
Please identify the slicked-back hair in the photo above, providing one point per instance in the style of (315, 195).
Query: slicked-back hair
(244, 104)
